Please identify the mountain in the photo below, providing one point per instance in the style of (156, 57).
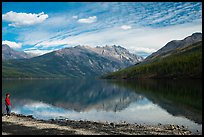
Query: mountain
(79, 61)
(9, 53)
(174, 45)
(177, 59)
(116, 53)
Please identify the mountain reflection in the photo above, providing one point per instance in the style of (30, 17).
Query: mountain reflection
(144, 101)
(78, 95)
(178, 97)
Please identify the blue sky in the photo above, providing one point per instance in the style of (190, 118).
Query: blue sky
(141, 27)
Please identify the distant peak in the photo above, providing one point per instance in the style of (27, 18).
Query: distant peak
(111, 46)
(82, 46)
(5, 45)
(196, 34)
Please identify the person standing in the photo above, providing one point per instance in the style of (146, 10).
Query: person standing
(8, 104)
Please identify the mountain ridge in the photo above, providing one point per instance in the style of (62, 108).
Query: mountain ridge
(77, 61)
(175, 45)
(9, 53)
(182, 61)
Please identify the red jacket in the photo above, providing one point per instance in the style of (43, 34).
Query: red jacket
(7, 101)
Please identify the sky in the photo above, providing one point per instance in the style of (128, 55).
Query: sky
(140, 27)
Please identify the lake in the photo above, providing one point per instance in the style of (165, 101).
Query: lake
(143, 102)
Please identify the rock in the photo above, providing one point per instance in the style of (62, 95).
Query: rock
(30, 116)
(112, 124)
(113, 128)
(170, 127)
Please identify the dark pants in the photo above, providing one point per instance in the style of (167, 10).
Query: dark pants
(8, 110)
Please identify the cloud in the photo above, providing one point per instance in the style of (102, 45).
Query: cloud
(88, 20)
(12, 44)
(55, 22)
(75, 17)
(142, 49)
(138, 39)
(23, 19)
(37, 52)
(31, 37)
(145, 29)
(125, 27)
(48, 44)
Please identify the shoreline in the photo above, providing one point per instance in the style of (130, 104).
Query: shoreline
(18, 124)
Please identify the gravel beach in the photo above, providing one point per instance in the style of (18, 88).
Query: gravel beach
(17, 124)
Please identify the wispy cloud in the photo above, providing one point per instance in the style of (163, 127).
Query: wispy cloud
(91, 19)
(75, 17)
(142, 50)
(23, 19)
(37, 52)
(52, 43)
(141, 39)
(126, 27)
(31, 37)
(12, 44)
(139, 27)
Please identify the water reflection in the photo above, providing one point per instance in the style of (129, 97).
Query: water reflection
(150, 102)
(179, 98)
(79, 95)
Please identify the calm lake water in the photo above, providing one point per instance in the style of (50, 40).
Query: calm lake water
(143, 102)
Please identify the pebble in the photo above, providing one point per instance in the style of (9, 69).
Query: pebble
(168, 129)
(30, 116)
(112, 124)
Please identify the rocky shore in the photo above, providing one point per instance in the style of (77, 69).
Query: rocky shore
(17, 124)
